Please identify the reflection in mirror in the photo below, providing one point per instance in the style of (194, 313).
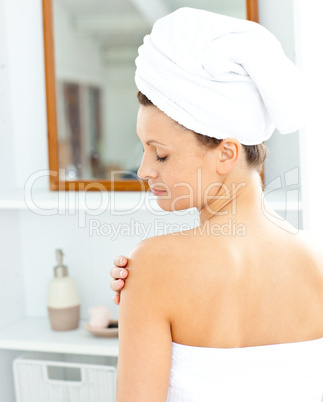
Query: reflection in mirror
(95, 46)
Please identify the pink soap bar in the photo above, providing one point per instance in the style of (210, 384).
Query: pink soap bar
(99, 316)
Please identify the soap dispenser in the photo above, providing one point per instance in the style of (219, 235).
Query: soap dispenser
(63, 299)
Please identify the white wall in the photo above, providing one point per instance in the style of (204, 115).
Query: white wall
(12, 290)
(24, 118)
(283, 159)
(89, 251)
(12, 293)
(309, 34)
(7, 162)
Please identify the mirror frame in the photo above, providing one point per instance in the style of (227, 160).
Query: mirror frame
(86, 185)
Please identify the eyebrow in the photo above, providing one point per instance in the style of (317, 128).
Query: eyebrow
(155, 142)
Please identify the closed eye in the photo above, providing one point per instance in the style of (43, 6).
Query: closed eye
(158, 158)
(161, 159)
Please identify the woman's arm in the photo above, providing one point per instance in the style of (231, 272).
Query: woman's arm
(145, 342)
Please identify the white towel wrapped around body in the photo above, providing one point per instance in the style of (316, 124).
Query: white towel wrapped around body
(220, 76)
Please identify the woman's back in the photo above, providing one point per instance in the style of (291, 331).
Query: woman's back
(247, 325)
(259, 289)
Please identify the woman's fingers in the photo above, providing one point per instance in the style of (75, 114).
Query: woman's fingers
(116, 299)
(117, 285)
(120, 261)
(118, 273)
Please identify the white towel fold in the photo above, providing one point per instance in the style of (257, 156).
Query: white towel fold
(220, 76)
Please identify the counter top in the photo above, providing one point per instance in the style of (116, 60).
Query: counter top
(35, 334)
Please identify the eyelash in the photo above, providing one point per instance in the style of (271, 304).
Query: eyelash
(158, 158)
(161, 159)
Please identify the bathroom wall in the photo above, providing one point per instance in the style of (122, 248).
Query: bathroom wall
(24, 118)
(89, 246)
(12, 294)
(7, 157)
(309, 33)
(12, 290)
(283, 150)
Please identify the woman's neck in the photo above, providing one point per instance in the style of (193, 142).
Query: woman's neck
(236, 198)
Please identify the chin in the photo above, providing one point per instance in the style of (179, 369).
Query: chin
(171, 206)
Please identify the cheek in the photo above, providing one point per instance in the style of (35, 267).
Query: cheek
(183, 174)
(185, 171)
(194, 182)
(184, 184)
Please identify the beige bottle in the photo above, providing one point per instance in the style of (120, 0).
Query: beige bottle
(63, 299)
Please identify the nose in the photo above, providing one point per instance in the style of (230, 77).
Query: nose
(146, 170)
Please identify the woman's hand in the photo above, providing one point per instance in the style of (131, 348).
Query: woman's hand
(119, 274)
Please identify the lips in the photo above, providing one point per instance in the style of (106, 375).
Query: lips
(156, 191)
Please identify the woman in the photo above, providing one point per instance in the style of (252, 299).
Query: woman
(233, 309)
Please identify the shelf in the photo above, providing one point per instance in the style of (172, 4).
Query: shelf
(46, 202)
(35, 334)
(62, 202)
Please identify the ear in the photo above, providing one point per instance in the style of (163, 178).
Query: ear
(228, 154)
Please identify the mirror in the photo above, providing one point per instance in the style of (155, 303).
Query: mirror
(90, 50)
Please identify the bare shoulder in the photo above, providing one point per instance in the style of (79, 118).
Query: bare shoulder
(309, 247)
(152, 247)
(149, 260)
(312, 243)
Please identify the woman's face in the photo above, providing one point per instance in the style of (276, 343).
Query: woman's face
(174, 162)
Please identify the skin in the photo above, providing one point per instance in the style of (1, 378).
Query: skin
(226, 164)
(184, 149)
(227, 291)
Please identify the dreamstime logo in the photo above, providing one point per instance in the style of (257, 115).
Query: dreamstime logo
(284, 196)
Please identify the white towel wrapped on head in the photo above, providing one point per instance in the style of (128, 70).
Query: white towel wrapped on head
(220, 76)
